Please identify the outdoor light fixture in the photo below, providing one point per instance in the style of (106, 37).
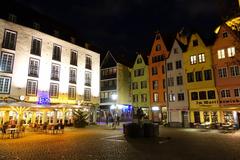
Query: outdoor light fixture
(22, 98)
(155, 108)
(114, 96)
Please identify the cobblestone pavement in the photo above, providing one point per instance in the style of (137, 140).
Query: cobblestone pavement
(101, 143)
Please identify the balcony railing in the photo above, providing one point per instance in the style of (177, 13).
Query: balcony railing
(105, 88)
(105, 100)
(108, 76)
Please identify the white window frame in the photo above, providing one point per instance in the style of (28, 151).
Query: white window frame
(5, 83)
(55, 72)
(201, 58)
(87, 97)
(225, 93)
(221, 72)
(234, 70)
(221, 54)
(155, 97)
(193, 59)
(237, 92)
(32, 87)
(33, 70)
(5, 66)
(72, 75)
(231, 51)
(54, 90)
(71, 92)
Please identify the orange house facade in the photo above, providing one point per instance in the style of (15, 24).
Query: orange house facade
(156, 61)
(226, 64)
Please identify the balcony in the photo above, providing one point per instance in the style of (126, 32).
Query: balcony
(105, 88)
(105, 100)
(108, 76)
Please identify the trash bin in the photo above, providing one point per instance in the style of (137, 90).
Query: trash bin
(148, 130)
(156, 129)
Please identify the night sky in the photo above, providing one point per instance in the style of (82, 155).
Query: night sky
(128, 26)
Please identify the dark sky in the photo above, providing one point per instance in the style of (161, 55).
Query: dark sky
(127, 26)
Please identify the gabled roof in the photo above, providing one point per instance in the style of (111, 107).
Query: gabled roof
(108, 61)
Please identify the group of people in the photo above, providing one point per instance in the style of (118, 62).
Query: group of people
(115, 119)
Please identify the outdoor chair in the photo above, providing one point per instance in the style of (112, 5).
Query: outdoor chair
(50, 129)
(5, 133)
(61, 128)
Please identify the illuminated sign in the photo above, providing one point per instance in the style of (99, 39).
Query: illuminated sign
(43, 100)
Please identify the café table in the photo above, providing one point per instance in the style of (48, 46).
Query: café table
(12, 131)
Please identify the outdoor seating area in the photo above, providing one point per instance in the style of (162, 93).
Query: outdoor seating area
(12, 131)
(47, 128)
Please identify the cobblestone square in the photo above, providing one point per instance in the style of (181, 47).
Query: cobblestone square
(102, 143)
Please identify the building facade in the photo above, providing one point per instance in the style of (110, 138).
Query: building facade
(140, 86)
(156, 62)
(49, 75)
(115, 94)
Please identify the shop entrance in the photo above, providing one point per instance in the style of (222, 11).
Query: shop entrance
(185, 122)
(196, 117)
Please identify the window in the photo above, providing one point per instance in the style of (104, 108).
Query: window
(12, 18)
(172, 98)
(164, 83)
(195, 43)
(198, 76)
(88, 62)
(88, 78)
(32, 87)
(87, 94)
(180, 96)
(143, 84)
(139, 60)
(190, 77)
(169, 66)
(163, 69)
(9, 40)
(211, 94)
(155, 84)
(193, 59)
(170, 81)
(179, 80)
(135, 85)
(221, 54)
(222, 72)
(57, 52)
(201, 58)
(33, 67)
(157, 58)
(135, 98)
(225, 34)
(155, 97)
(72, 75)
(208, 74)
(202, 95)
(53, 91)
(6, 62)
(139, 72)
(225, 93)
(73, 59)
(178, 64)
(72, 92)
(55, 72)
(143, 97)
(175, 51)
(231, 51)
(234, 70)
(158, 47)
(36, 46)
(154, 71)
(194, 95)
(5, 83)
(237, 92)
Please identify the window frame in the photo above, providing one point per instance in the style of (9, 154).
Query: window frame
(9, 85)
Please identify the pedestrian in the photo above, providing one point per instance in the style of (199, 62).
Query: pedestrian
(107, 119)
(118, 120)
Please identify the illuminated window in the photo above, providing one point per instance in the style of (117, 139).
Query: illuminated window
(88, 79)
(178, 64)
(5, 83)
(198, 76)
(237, 92)
(143, 97)
(154, 71)
(211, 94)
(169, 66)
(55, 72)
(57, 52)
(231, 51)
(194, 95)
(135, 98)
(221, 54)
(155, 84)
(234, 70)
(225, 34)
(201, 58)
(208, 74)
(193, 59)
(72, 75)
(73, 58)
(36, 46)
(87, 94)
(222, 72)
(53, 91)
(143, 84)
(190, 77)
(195, 43)
(170, 81)
(172, 98)
(180, 96)
(88, 64)
(71, 92)
(155, 97)
(32, 87)
(179, 80)
(9, 40)
(158, 47)
(225, 93)
(6, 62)
(33, 67)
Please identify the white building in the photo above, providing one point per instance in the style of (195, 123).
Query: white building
(53, 74)
(177, 95)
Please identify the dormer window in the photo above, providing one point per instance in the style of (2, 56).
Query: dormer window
(158, 47)
(12, 18)
(225, 34)
(139, 60)
(36, 25)
(195, 43)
